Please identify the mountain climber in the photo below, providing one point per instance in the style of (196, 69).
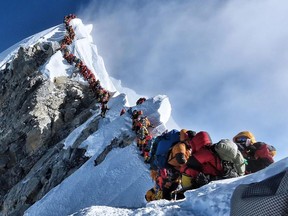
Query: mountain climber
(166, 181)
(152, 194)
(232, 160)
(143, 136)
(203, 165)
(69, 57)
(78, 63)
(155, 193)
(141, 133)
(67, 40)
(68, 18)
(95, 86)
(145, 151)
(84, 71)
(104, 109)
(71, 32)
(186, 135)
(102, 95)
(181, 151)
(135, 119)
(152, 146)
(90, 77)
(105, 96)
(148, 148)
(123, 111)
(145, 121)
(140, 100)
(178, 155)
(258, 154)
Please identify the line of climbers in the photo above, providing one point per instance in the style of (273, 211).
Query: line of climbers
(101, 94)
(184, 160)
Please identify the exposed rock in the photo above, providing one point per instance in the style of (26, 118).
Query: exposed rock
(36, 115)
(50, 170)
(123, 141)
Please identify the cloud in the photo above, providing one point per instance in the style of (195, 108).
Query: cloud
(223, 65)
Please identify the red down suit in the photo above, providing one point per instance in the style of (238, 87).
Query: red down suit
(202, 158)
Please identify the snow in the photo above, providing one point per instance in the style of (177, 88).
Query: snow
(84, 49)
(117, 185)
(212, 199)
(113, 125)
(102, 185)
(51, 35)
(81, 31)
(62, 69)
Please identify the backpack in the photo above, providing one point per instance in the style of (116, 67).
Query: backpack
(233, 162)
(259, 156)
(145, 121)
(142, 133)
(262, 145)
(158, 159)
(267, 197)
(200, 140)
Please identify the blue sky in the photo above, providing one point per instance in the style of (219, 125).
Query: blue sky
(21, 19)
(223, 65)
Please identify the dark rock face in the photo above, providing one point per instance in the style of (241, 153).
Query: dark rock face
(36, 115)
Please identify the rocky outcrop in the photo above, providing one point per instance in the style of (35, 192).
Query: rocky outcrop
(36, 115)
(121, 142)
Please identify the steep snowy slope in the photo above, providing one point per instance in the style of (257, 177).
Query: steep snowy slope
(120, 180)
(211, 199)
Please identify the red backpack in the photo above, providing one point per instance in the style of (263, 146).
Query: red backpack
(201, 139)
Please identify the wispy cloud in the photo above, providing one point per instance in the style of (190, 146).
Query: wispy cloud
(223, 65)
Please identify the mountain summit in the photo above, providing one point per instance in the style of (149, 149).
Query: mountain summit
(59, 156)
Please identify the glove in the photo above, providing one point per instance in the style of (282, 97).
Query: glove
(202, 179)
(147, 159)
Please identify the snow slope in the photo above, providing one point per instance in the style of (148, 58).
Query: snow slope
(212, 199)
(121, 179)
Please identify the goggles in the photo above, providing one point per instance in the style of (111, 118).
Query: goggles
(241, 139)
(244, 141)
